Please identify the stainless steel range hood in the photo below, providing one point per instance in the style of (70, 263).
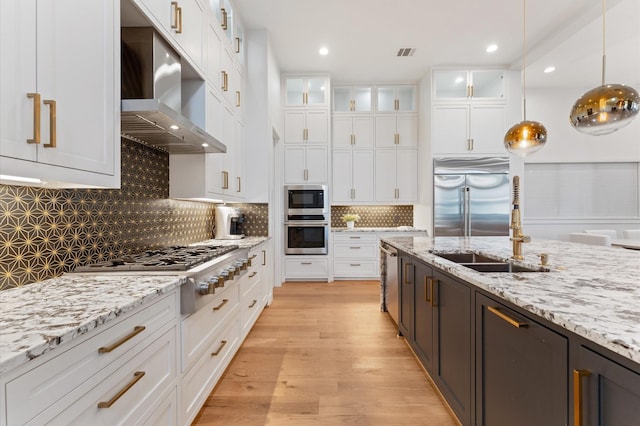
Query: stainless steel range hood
(152, 97)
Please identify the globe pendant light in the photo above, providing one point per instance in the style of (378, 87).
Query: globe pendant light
(525, 137)
(606, 108)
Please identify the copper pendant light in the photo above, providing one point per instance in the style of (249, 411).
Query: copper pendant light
(525, 137)
(606, 108)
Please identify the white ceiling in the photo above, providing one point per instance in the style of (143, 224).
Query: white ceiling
(363, 37)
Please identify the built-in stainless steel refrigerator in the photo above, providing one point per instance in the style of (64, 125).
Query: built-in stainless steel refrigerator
(471, 196)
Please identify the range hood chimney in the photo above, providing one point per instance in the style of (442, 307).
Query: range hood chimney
(152, 97)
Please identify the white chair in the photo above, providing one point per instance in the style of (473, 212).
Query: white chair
(593, 239)
(633, 234)
(610, 232)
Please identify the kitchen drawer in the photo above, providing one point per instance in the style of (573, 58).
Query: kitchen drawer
(200, 380)
(166, 413)
(248, 282)
(250, 307)
(199, 327)
(350, 237)
(356, 251)
(42, 386)
(355, 268)
(306, 268)
(139, 383)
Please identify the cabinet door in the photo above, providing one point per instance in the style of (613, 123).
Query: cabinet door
(450, 84)
(160, 10)
(385, 175)
(450, 129)
(341, 190)
(215, 113)
(294, 126)
(424, 306)
(294, 91)
(407, 129)
(386, 131)
(226, 75)
(362, 175)
(521, 369)
(488, 85)
(84, 89)
(215, 174)
(610, 392)
(191, 25)
(407, 174)
(453, 348)
(316, 91)
(317, 123)
(363, 132)
(294, 164)
(238, 161)
(407, 99)
(487, 128)
(17, 78)
(342, 132)
(362, 99)
(342, 99)
(316, 160)
(406, 290)
(214, 49)
(386, 99)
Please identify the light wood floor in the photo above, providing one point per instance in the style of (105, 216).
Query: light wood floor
(323, 353)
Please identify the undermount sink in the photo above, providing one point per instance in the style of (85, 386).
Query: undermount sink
(482, 263)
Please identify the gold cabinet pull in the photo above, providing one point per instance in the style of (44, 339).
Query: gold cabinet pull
(577, 395)
(136, 376)
(471, 144)
(224, 302)
(253, 303)
(52, 123)
(222, 344)
(237, 44)
(136, 330)
(174, 6)
(406, 273)
(224, 18)
(237, 98)
(36, 117)
(239, 184)
(471, 91)
(225, 81)
(253, 274)
(507, 318)
(264, 258)
(306, 174)
(225, 180)
(179, 29)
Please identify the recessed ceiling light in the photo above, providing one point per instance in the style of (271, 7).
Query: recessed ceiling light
(549, 69)
(492, 48)
(174, 127)
(323, 51)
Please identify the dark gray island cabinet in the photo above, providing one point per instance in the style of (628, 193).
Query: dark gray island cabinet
(497, 364)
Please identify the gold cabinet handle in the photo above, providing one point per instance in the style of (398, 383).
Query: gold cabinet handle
(471, 91)
(136, 330)
(427, 284)
(306, 174)
(577, 395)
(224, 302)
(507, 318)
(136, 376)
(305, 98)
(225, 180)
(225, 81)
(253, 303)
(224, 18)
(222, 344)
(434, 303)
(237, 44)
(253, 274)
(174, 6)
(179, 29)
(264, 258)
(36, 117)
(237, 98)
(406, 273)
(471, 144)
(239, 184)
(396, 138)
(52, 123)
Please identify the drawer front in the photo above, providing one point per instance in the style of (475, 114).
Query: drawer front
(249, 281)
(355, 268)
(307, 268)
(166, 413)
(125, 395)
(250, 307)
(355, 237)
(356, 251)
(200, 380)
(199, 327)
(40, 387)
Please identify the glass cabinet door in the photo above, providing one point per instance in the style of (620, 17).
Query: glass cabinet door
(407, 99)
(316, 88)
(362, 99)
(450, 84)
(386, 99)
(342, 99)
(294, 88)
(488, 84)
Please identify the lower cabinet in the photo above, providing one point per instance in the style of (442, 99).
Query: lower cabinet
(306, 267)
(604, 392)
(406, 297)
(425, 304)
(521, 369)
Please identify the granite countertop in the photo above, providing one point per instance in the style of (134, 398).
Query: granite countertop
(591, 291)
(36, 318)
(381, 229)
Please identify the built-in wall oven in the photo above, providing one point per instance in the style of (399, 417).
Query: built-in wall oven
(306, 223)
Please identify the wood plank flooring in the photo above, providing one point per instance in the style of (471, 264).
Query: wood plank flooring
(323, 353)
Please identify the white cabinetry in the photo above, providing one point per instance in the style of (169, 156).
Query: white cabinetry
(305, 164)
(59, 109)
(473, 129)
(400, 98)
(306, 268)
(352, 132)
(396, 130)
(482, 85)
(355, 255)
(306, 126)
(396, 175)
(352, 175)
(306, 91)
(351, 99)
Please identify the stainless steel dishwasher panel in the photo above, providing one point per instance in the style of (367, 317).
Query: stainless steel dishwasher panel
(391, 295)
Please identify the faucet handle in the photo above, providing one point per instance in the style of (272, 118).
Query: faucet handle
(544, 258)
(526, 239)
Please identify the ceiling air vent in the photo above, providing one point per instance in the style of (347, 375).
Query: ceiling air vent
(406, 51)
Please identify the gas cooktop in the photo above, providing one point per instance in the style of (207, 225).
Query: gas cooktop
(175, 258)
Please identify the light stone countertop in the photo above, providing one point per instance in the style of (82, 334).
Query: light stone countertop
(382, 229)
(38, 317)
(591, 291)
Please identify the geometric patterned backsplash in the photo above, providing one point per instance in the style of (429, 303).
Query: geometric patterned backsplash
(45, 232)
(374, 216)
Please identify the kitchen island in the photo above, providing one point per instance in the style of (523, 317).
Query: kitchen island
(497, 344)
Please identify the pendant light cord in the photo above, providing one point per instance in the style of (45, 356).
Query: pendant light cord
(524, 56)
(604, 55)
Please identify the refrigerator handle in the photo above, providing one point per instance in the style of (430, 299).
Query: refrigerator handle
(467, 201)
(465, 211)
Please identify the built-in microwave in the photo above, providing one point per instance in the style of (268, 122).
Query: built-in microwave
(306, 202)
(306, 237)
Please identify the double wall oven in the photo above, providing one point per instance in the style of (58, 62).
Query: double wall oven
(306, 221)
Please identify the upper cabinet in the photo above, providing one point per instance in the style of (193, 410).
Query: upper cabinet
(351, 99)
(483, 85)
(303, 91)
(59, 118)
(397, 98)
